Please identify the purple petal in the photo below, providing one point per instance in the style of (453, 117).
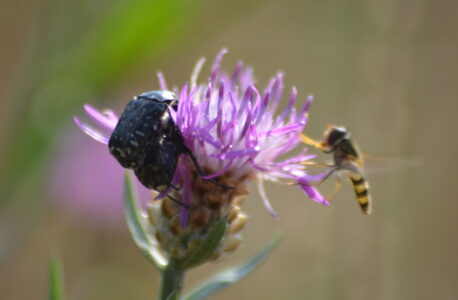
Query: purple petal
(247, 122)
(307, 104)
(195, 73)
(220, 109)
(313, 194)
(257, 103)
(263, 107)
(253, 138)
(297, 159)
(311, 191)
(164, 193)
(246, 79)
(220, 172)
(217, 65)
(265, 200)
(186, 193)
(290, 105)
(247, 98)
(96, 135)
(234, 107)
(236, 74)
(237, 153)
(282, 130)
(110, 115)
(276, 92)
(207, 137)
(162, 82)
(107, 121)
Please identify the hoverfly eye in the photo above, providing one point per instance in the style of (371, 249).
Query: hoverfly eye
(335, 136)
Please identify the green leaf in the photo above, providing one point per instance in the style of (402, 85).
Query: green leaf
(174, 296)
(232, 275)
(137, 226)
(56, 284)
(207, 248)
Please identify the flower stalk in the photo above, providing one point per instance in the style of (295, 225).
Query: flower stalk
(172, 281)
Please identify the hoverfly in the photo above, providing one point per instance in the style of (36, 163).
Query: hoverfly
(347, 159)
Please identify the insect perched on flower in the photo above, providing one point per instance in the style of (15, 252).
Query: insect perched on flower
(233, 131)
(147, 140)
(347, 159)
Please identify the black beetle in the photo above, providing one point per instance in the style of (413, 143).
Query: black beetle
(147, 140)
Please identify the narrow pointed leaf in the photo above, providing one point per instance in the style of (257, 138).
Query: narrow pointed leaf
(174, 296)
(56, 282)
(137, 226)
(232, 275)
(207, 247)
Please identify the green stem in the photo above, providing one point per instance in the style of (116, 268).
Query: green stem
(172, 281)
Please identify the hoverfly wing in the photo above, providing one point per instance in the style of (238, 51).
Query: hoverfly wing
(374, 164)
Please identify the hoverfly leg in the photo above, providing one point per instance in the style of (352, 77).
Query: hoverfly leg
(331, 171)
(309, 141)
(336, 189)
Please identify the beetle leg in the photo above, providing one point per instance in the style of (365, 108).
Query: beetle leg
(202, 173)
(178, 201)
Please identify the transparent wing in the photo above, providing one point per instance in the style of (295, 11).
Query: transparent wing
(374, 164)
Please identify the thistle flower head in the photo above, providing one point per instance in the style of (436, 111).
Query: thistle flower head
(238, 135)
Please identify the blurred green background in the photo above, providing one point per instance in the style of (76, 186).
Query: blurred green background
(386, 69)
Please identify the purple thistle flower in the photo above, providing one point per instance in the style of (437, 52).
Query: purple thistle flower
(237, 135)
(234, 130)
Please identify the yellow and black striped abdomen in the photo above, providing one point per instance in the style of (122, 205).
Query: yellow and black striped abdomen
(361, 188)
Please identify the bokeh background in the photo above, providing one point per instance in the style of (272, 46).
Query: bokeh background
(388, 70)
